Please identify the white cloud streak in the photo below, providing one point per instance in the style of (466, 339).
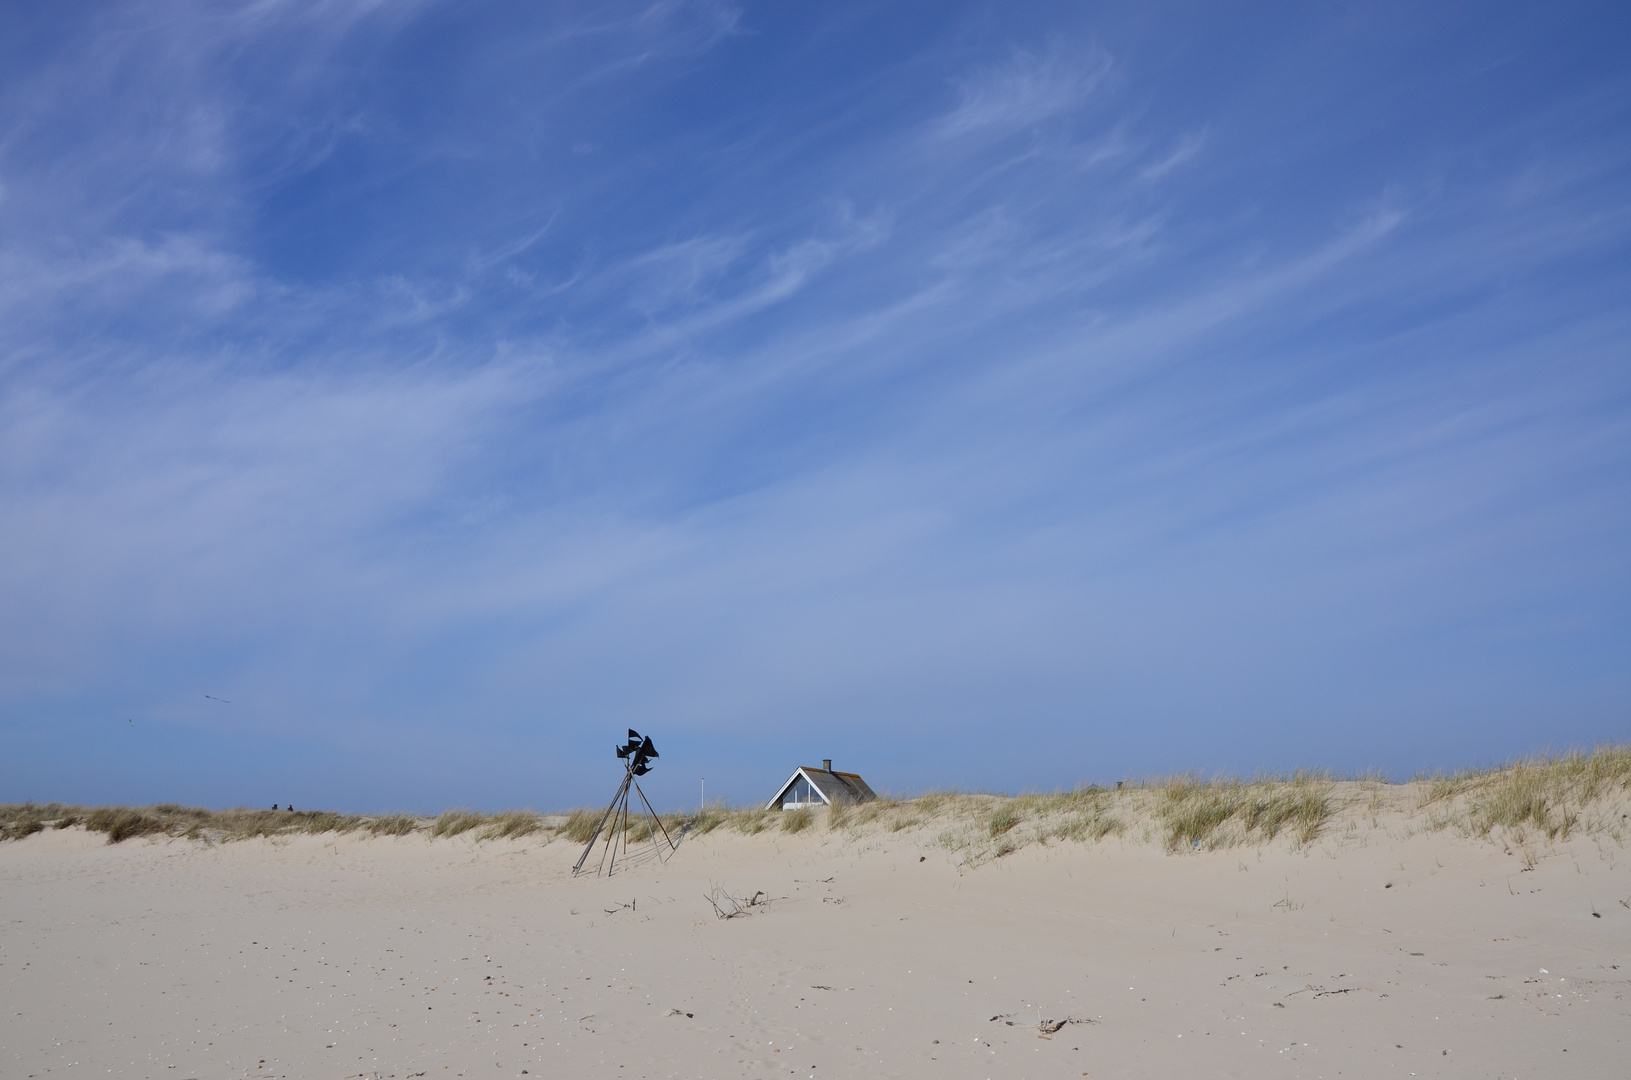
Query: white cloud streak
(1025, 91)
(1026, 437)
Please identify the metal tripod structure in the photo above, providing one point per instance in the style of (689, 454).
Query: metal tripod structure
(637, 754)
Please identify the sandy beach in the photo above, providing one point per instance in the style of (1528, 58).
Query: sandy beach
(1379, 948)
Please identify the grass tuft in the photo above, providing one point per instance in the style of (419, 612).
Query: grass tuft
(639, 829)
(124, 822)
(1228, 812)
(708, 819)
(1549, 796)
(455, 822)
(1002, 820)
(26, 819)
(580, 825)
(394, 825)
(512, 824)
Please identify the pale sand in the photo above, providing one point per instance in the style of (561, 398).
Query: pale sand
(878, 955)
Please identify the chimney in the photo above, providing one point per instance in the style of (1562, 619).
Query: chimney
(826, 764)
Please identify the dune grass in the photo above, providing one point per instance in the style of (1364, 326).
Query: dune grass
(751, 820)
(169, 819)
(121, 823)
(1229, 812)
(580, 825)
(638, 829)
(26, 819)
(709, 818)
(455, 822)
(393, 825)
(1550, 798)
(1002, 820)
(512, 825)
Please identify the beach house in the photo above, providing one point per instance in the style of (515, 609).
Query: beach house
(810, 786)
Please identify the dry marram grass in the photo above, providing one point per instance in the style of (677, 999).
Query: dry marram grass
(168, 819)
(1229, 812)
(454, 822)
(1549, 797)
(1539, 799)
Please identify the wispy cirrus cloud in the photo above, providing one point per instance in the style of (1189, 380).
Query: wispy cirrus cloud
(488, 377)
(1185, 148)
(1026, 90)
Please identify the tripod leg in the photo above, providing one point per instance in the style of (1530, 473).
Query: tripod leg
(590, 846)
(611, 837)
(599, 829)
(657, 820)
(620, 827)
(622, 794)
(656, 823)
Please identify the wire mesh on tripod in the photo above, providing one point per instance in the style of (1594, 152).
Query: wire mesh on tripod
(637, 755)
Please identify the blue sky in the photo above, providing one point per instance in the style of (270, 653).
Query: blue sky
(997, 396)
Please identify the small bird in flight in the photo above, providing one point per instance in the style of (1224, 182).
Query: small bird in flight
(223, 701)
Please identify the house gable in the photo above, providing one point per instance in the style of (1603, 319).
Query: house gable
(824, 788)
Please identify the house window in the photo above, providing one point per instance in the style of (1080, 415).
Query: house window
(800, 794)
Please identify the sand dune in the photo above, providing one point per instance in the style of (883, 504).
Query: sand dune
(1380, 947)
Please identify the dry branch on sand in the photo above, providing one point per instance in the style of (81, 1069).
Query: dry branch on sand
(727, 906)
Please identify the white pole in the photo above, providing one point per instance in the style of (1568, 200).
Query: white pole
(703, 802)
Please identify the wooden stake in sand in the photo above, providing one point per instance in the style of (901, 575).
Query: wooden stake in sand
(636, 754)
